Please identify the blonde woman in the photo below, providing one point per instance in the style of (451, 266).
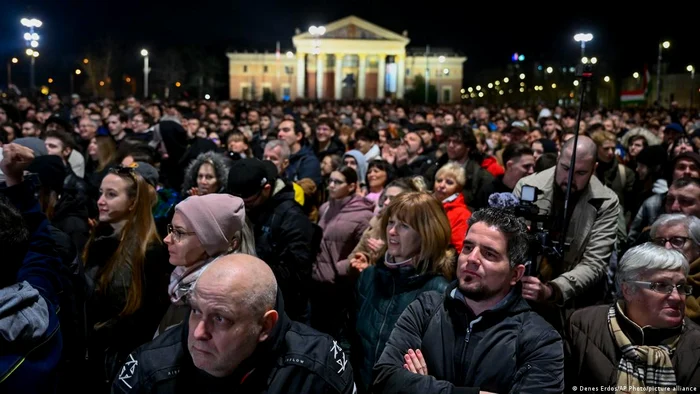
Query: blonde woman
(449, 183)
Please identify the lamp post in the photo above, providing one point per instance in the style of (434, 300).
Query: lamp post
(662, 46)
(144, 53)
(583, 38)
(691, 70)
(12, 61)
(316, 32)
(32, 40)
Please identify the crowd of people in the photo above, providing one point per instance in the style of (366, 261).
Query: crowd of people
(333, 247)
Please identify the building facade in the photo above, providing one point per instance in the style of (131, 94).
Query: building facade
(352, 59)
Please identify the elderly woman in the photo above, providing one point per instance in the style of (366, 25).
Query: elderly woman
(682, 233)
(449, 183)
(644, 339)
(415, 259)
(207, 174)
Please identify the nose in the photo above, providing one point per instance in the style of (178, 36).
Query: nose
(675, 207)
(392, 230)
(675, 296)
(168, 239)
(200, 331)
(101, 201)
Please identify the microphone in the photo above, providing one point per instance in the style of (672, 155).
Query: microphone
(503, 200)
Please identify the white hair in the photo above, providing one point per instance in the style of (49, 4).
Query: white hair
(691, 224)
(648, 257)
(284, 148)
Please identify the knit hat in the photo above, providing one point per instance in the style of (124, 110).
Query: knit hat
(652, 156)
(51, 171)
(214, 218)
(247, 177)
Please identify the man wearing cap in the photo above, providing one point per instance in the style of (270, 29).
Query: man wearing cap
(285, 238)
(515, 133)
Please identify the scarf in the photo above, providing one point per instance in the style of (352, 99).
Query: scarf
(692, 303)
(642, 366)
(182, 279)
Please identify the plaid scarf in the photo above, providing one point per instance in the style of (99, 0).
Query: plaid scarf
(642, 366)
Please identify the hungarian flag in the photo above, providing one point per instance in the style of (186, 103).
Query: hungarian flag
(637, 96)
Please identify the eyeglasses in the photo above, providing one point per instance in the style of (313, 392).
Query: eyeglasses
(666, 288)
(676, 242)
(177, 234)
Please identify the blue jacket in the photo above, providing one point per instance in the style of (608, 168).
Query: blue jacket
(304, 164)
(30, 337)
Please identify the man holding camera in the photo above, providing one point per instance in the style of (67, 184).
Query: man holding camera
(579, 278)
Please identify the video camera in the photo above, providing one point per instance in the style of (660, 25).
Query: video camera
(542, 244)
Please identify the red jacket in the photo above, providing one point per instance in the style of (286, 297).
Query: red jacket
(458, 214)
(491, 165)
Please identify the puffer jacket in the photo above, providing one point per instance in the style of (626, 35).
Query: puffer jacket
(343, 223)
(220, 168)
(506, 349)
(382, 294)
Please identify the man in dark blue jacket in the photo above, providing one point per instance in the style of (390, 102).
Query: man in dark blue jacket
(238, 340)
(480, 336)
(30, 337)
(303, 162)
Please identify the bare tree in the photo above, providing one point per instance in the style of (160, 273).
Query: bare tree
(100, 67)
(168, 69)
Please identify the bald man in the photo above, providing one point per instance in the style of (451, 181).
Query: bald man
(580, 279)
(238, 339)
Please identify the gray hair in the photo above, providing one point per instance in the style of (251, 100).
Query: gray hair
(691, 224)
(647, 257)
(284, 148)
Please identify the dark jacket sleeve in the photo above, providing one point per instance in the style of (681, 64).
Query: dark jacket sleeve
(390, 376)
(129, 376)
(309, 167)
(542, 366)
(41, 264)
(295, 234)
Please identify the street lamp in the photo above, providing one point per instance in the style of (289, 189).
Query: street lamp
(317, 32)
(441, 59)
(583, 38)
(144, 53)
(12, 61)
(550, 70)
(522, 76)
(606, 79)
(635, 75)
(662, 46)
(691, 70)
(32, 40)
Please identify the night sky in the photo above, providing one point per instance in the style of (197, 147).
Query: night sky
(487, 32)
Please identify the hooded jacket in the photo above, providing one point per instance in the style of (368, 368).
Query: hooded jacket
(343, 223)
(294, 359)
(220, 168)
(30, 338)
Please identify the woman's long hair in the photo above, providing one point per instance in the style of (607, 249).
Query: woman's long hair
(424, 214)
(138, 233)
(106, 151)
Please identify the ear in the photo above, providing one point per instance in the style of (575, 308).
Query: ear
(516, 274)
(235, 243)
(627, 291)
(269, 321)
(509, 164)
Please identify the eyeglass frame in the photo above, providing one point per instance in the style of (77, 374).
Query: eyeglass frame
(656, 241)
(687, 289)
(177, 235)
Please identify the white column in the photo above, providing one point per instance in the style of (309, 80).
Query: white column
(401, 75)
(381, 90)
(301, 74)
(338, 75)
(361, 80)
(319, 75)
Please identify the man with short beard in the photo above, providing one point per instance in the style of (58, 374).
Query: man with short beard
(579, 278)
(480, 336)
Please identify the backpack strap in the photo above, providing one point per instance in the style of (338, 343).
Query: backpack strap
(623, 174)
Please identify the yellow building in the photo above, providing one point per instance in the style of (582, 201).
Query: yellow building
(349, 58)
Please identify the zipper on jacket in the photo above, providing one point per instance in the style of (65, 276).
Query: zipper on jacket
(521, 377)
(381, 328)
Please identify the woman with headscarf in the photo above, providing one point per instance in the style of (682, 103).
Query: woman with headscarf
(203, 229)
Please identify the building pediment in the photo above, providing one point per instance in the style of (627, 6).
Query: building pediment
(354, 28)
